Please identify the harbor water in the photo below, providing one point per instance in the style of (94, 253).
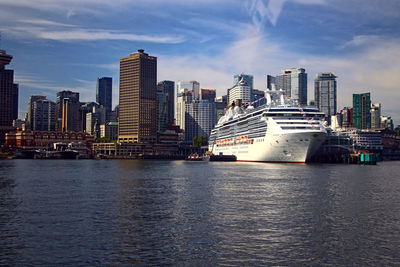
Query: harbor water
(127, 212)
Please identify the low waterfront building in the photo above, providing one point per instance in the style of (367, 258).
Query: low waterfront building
(44, 139)
(391, 145)
(336, 143)
(364, 139)
(133, 150)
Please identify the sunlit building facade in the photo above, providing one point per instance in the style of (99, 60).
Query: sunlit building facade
(138, 99)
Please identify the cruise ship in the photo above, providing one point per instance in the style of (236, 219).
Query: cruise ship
(278, 131)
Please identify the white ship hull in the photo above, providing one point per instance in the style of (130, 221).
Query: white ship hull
(295, 147)
(276, 132)
(285, 148)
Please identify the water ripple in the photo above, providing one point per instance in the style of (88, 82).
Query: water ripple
(198, 213)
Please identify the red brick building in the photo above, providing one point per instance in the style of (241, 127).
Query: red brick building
(44, 139)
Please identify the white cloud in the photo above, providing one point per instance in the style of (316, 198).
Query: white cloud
(374, 69)
(79, 34)
(361, 40)
(93, 35)
(312, 2)
(45, 22)
(72, 7)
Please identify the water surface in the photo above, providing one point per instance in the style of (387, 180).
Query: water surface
(109, 212)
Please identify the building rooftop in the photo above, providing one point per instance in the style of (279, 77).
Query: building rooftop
(5, 59)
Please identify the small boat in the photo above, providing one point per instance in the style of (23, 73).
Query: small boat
(194, 157)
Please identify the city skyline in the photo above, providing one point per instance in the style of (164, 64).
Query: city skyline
(63, 46)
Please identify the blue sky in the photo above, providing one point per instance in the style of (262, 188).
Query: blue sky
(67, 44)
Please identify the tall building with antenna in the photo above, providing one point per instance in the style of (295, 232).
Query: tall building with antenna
(8, 96)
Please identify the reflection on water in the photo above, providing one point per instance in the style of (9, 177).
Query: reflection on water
(197, 213)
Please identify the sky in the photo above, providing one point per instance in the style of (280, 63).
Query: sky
(68, 44)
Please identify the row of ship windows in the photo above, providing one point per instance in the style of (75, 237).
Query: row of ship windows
(298, 122)
(251, 136)
(299, 128)
(244, 126)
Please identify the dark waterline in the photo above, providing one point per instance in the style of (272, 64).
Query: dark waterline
(198, 213)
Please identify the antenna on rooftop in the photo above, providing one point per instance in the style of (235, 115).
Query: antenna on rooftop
(0, 40)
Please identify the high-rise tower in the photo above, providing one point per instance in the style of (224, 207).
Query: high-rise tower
(294, 83)
(242, 91)
(168, 88)
(376, 116)
(192, 86)
(361, 111)
(104, 93)
(325, 93)
(138, 98)
(8, 96)
(68, 117)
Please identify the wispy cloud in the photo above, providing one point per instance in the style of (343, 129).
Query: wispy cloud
(33, 81)
(45, 22)
(361, 40)
(81, 34)
(94, 35)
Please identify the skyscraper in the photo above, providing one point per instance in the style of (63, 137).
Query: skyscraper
(361, 111)
(168, 87)
(162, 111)
(15, 101)
(248, 78)
(258, 97)
(347, 117)
(43, 115)
(294, 83)
(387, 123)
(104, 92)
(241, 90)
(8, 96)
(376, 116)
(195, 117)
(283, 82)
(29, 115)
(68, 112)
(271, 82)
(94, 120)
(207, 94)
(220, 104)
(85, 108)
(183, 103)
(325, 93)
(192, 86)
(138, 98)
(205, 117)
